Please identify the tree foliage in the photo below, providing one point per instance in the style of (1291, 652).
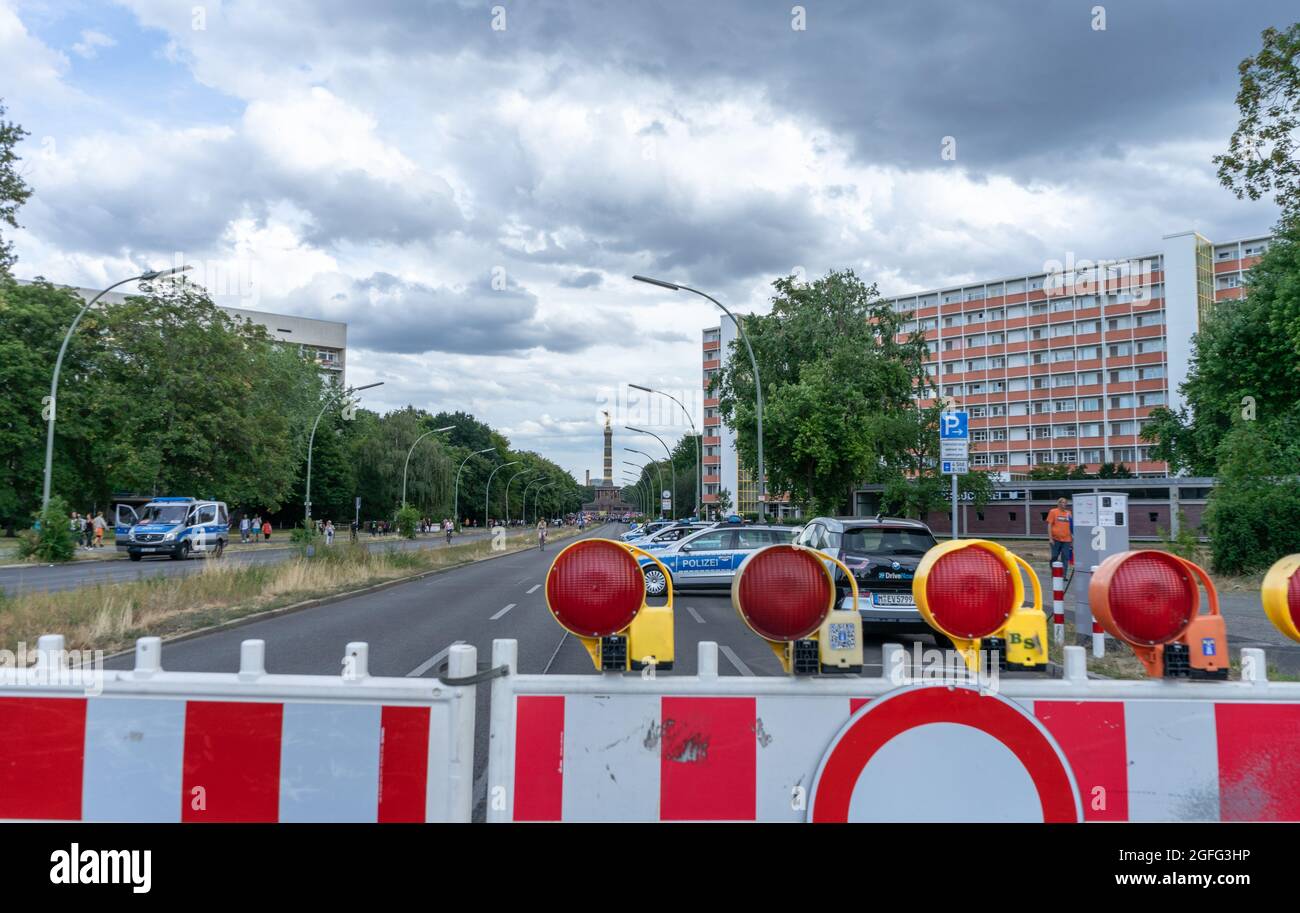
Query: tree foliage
(13, 189)
(1261, 154)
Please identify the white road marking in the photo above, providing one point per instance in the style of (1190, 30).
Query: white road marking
(432, 661)
(503, 611)
(735, 660)
(695, 615)
(550, 662)
(535, 588)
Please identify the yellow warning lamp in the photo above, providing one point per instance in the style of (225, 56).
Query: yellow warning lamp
(786, 595)
(595, 589)
(1281, 596)
(970, 590)
(1149, 599)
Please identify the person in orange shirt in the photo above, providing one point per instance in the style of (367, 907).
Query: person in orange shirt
(1060, 529)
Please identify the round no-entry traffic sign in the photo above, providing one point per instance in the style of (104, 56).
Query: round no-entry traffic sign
(943, 753)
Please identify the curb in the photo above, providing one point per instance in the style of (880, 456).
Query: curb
(315, 603)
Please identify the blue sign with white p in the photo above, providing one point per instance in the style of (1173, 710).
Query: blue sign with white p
(954, 426)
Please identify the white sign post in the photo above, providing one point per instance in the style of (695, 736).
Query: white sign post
(954, 451)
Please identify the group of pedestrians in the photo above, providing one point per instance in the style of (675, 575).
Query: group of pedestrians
(88, 530)
(252, 527)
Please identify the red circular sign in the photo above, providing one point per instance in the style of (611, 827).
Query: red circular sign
(896, 756)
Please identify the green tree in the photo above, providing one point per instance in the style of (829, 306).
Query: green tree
(53, 541)
(1261, 154)
(14, 191)
(837, 389)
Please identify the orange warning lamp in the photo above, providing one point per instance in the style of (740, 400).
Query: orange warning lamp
(786, 595)
(971, 591)
(1150, 600)
(596, 591)
(1281, 595)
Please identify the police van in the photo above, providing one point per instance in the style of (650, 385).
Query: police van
(176, 527)
(709, 557)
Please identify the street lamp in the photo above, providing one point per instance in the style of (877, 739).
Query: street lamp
(659, 472)
(672, 501)
(699, 463)
(406, 465)
(330, 401)
(537, 500)
(456, 495)
(531, 483)
(522, 472)
(758, 384)
(58, 365)
(487, 495)
(634, 482)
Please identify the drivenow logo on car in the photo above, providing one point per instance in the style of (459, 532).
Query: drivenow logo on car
(78, 866)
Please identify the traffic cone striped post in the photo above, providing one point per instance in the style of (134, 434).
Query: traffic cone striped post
(1058, 601)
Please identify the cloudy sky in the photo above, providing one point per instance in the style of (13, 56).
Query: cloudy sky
(471, 185)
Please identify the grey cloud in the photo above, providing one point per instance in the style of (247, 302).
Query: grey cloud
(585, 279)
(388, 314)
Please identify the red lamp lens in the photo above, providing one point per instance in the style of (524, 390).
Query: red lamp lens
(970, 592)
(1152, 598)
(784, 593)
(595, 588)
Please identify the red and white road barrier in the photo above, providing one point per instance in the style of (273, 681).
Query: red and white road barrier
(621, 748)
(149, 745)
(1058, 601)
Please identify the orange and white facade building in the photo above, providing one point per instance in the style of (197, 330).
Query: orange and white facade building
(1062, 365)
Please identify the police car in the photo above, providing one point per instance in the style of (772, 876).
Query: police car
(709, 557)
(176, 527)
(883, 554)
(667, 535)
(646, 529)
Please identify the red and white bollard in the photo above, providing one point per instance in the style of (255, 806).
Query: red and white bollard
(1098, 635)
(1058, 601)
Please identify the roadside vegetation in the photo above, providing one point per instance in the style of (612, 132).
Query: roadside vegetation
(110, 617)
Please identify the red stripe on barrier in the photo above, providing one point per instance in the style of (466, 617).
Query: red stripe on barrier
(42, 750)
(539, 758)
(1091, 733)
(1259, 761)
(855, 703)
(403, 763)
(231, 770)
(708, 759)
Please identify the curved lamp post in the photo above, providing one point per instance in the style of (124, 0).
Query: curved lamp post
(531, 483)
(331, 400)
(456, 495)
(672, 501)
(487, 495)
(658, 471)
(637, 490)
(758, 384)
(522, 472)
(642, 477)
(407, 464)
(699, 462)
(148, 276)
(537, 500)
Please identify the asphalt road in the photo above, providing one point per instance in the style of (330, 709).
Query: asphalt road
(51, 577)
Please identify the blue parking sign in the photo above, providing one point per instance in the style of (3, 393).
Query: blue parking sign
(954, 426)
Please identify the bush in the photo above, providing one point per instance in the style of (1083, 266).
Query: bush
(407, 520)
(53, 540)
(1252, 524)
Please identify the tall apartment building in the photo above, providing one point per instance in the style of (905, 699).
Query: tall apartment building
(1063, 365)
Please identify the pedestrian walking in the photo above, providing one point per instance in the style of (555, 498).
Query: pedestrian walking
(243, 529)
(266, 530)
(99, 529)
(1060, 531)
(329, 532)
(541, 535)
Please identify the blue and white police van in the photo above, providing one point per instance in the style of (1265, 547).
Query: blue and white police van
(709, 557)
(645, 529)
(176, 527)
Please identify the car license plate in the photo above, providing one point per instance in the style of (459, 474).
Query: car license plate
(904, 599)
(842, 636)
